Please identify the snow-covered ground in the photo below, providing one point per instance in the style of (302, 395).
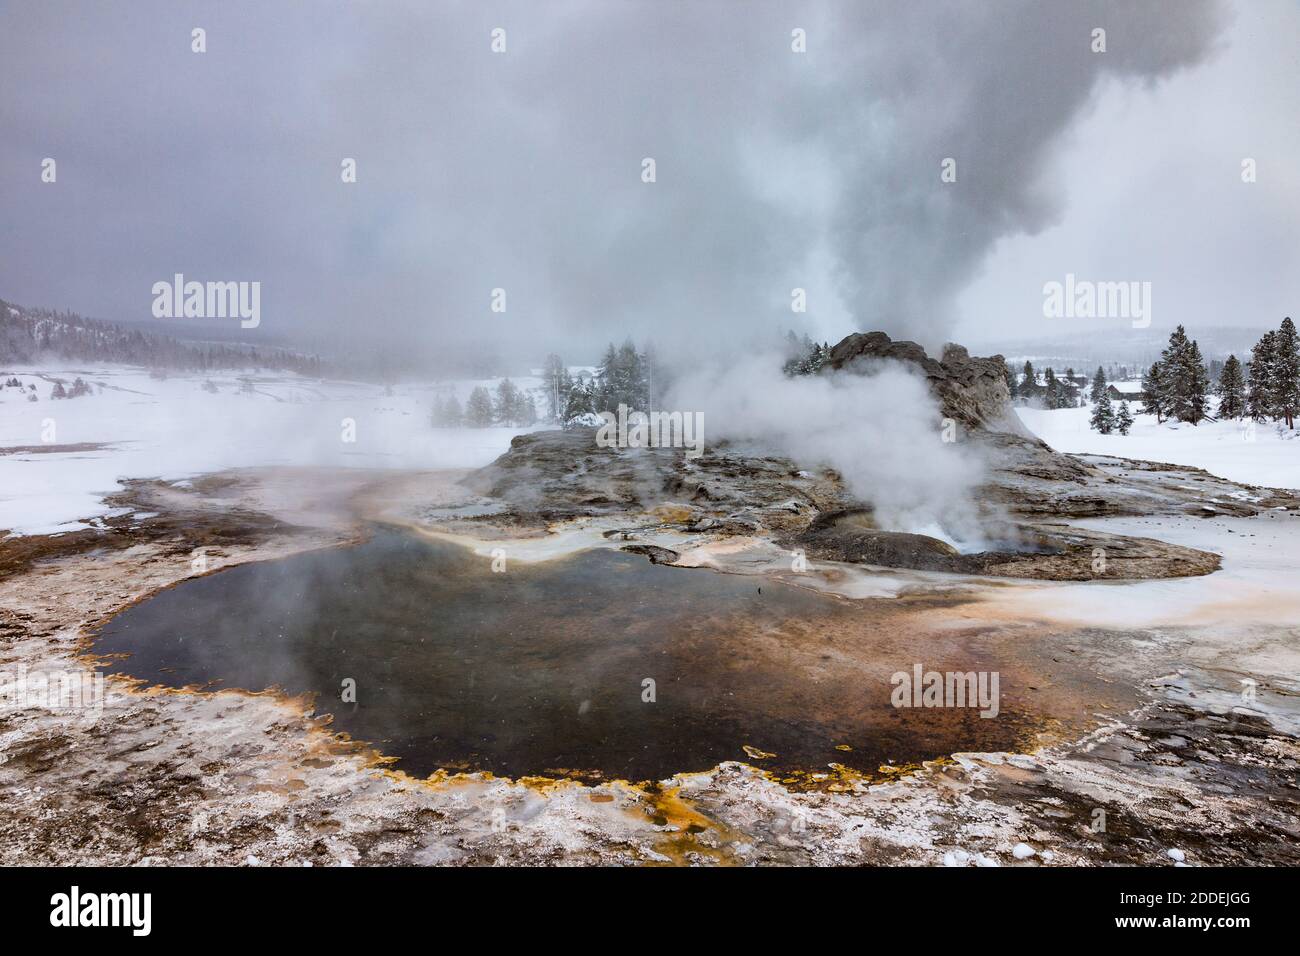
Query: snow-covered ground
(174, 428)
(1256, 454)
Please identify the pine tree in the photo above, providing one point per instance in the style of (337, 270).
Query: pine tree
(623, 379)
(447, 413)
(632, 383)
(506, 408)
(798, 353)
(1232, 390)
(1172, 360)
(581, 401)
(1098, 386)
(1028, 384)
(1103, 416)
(1286, 373)
(1153, 402)
(1198, 385)
(1123, 418)
(1010, 376)
(1259, 394)
(478, 410)
(1185, 382)
(527, 411)
(607, 376)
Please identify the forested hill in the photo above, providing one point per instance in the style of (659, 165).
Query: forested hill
(32, 335)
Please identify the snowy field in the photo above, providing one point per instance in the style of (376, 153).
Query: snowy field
(1256, 454)
(175, 428)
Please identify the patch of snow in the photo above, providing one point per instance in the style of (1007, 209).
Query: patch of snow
(173, 428)
(1266, 454)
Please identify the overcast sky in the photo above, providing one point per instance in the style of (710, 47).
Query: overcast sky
(522, 170)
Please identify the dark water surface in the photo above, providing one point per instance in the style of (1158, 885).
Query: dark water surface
(539, 669)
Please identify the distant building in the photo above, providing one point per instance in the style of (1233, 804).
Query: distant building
(1125, 392)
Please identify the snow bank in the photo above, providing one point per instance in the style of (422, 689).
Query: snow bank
(176, 428)
(1259, 455)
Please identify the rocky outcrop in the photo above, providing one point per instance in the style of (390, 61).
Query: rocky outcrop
(737, 489)
(972, 391)
(731, 489)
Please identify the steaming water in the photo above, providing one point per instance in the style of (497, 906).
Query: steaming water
(540, 669)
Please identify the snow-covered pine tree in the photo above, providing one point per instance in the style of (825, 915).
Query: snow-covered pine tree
(1176, 391)
(606, 382)
(1198, 385)
(819, 356)
(1123, 418)
(1171, 360)
(633, 382)
(1098, 386)
(622, 379)
(804, 356)
(478, 409)
(793, 352)
(447, 413)
(1286, 373)
(1153, 402)
(1063, 399)
(1259, 392)
(1232, 390)
(1103, 416)
(581, 401)
(527, 411)
(1186, 381)
(506, 408)
(1010, 376)
(1029, 383)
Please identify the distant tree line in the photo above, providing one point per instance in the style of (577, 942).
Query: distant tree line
(28, 335)
(1052, 391)
(626, 376)
(1177, 387)
(79, 387)
(510, 406)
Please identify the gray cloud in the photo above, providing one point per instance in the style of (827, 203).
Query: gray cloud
(522, 170)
